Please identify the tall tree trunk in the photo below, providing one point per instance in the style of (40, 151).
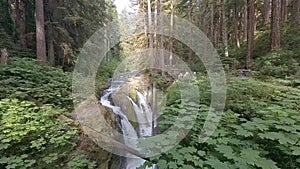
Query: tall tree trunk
(40, 32)
(14, 16)
(250, 32)
(224, 28)
(189, 12)
(236, 26)
(22, 13)
(295, 13)
(284, 10)
(155, 38)
(171, 34)
(217, 24)
(245, 14)
(276, 24)
(150, 23)
(212, 25)
(267, 11)
(49, 33)
(50, 45)
(161, 43)
(107, 42)
(256, 13)
(156, 63)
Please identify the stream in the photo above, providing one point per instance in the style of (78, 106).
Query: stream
(143, 115)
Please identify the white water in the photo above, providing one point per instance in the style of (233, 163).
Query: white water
(144, 118)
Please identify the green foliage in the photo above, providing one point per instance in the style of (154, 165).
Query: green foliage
(105, 72)
(173, 93)
(7, 41)
(261, 47)
(259, 129)
(67, 23)
(32, 137)
(278, 64)
(5, 21)
(80, 162)
(24, 79)
(291, 40)
(73, 26)
(107, 69)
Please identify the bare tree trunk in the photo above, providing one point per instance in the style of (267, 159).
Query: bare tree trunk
(49, 34)
(212, 23)
(13, 15)
(189, 12)
(284, 11)
(295, 13)
(107, 42)
(154, 105)
(156, 63)
(236, 27)
(245, 14)
(171, 34)
(224, 29)
(50, 45)
(40, 32)
(161, 43)
(150, 24)
(22, 13)
(267, 11)
(256, 13)
(276, 24)
(250, 32)
(217, 24)
(155, 38)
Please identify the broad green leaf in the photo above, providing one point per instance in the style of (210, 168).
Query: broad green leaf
(266, 164)
(227, 151)
(296, 151)
(250, 155)
(242, 132)
(217, 164)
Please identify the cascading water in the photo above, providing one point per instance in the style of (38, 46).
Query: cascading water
(143, 115)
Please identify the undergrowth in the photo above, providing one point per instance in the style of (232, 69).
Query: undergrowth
(259, 129)
(24, 79)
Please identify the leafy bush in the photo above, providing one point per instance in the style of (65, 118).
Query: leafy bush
(291, 40)
(278, 64)
(259, 129)
(105, 71)
(80, 162)
(32, 137)
(24, 79)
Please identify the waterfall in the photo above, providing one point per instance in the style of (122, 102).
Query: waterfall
(143, 115)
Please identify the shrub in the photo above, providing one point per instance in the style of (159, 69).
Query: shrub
(32, 137)
(259, 129)
(24, 79)
(79, 162)
(278, 64)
